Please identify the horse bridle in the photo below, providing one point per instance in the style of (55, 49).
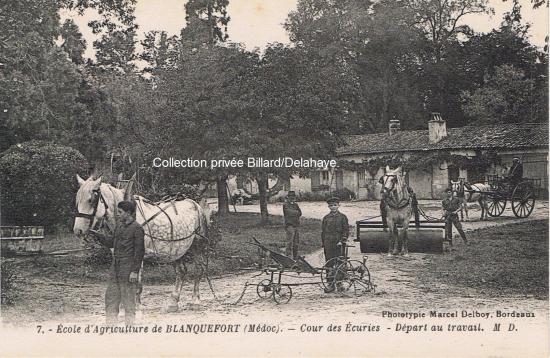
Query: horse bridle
(391, 204)
(97, 198)
(386, 178)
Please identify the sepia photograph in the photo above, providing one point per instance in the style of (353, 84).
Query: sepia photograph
(274, 178)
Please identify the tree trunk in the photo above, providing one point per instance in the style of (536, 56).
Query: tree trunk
(263, 191)
(223, 200)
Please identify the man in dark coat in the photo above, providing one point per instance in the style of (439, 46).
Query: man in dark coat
(335, 231)
(292, 213)
(128, 244)
(450, 207)
(515, 174)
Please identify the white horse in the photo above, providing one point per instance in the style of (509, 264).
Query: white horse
(395, 193)
(468, 193)
(172, 230)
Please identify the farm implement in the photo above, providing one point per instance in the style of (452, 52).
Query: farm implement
(341, 273)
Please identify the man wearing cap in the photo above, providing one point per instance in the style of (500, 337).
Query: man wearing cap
(335, 230)
(128, 244)
(451, 205)
(292, 214)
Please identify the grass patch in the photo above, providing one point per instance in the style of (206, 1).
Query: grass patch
(234, 252)
(509, 259)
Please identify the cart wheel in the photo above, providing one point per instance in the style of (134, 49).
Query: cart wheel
(263, 289)
(523, 200)
(282, 293)
(353, 275)
(343, 280)
(327, 272)
(496, 205)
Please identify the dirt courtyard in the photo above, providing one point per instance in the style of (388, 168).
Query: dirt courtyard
(399, 290)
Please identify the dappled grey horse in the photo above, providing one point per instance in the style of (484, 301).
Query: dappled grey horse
(175, 230)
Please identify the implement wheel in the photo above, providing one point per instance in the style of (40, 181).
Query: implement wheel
(353, 275)
(523, 199)
(263, 288)
(282, 293)
(496, 205)
(328, 271)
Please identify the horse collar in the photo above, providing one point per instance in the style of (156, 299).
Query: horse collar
(397, 205)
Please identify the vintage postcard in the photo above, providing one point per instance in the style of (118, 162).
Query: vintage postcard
(274, 178)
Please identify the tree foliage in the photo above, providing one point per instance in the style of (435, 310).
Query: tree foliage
(507, 96)
(37, 183)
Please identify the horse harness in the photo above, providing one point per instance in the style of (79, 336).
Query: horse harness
(162, 210)
(97, 197)
(388, 199)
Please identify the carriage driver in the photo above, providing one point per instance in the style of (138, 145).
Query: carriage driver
(335, 230)
(515, 174)
(450, 207)
(127, 241)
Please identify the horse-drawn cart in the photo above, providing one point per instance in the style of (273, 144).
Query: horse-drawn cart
(521, 196)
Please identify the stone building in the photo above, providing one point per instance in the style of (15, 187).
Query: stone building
(435, 156)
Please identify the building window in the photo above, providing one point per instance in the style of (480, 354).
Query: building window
(325, 177)
(361, 180)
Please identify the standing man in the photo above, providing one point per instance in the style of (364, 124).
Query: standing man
(127, 242)
(335, 231)
(292, 213)
(450, 207)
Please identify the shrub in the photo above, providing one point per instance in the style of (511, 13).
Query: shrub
(314, 196)
(8, 278)
(38, 185)
(342, 194)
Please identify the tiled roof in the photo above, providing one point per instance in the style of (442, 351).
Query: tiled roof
(503, 136)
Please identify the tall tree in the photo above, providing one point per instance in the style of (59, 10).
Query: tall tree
(40, 83)
(159, 51)
(206, 21)
(302, 113)
(374, 46)
(116, 50)
(440, 22)
(477, 55)
(507, 96)
(74, 43)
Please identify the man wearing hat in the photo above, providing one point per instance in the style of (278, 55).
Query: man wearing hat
(335, 230)
(515, 174)
(451, 205)
(129, 249)
(292, 213)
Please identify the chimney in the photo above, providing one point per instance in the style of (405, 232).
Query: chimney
(437, 128)
(394, 126)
